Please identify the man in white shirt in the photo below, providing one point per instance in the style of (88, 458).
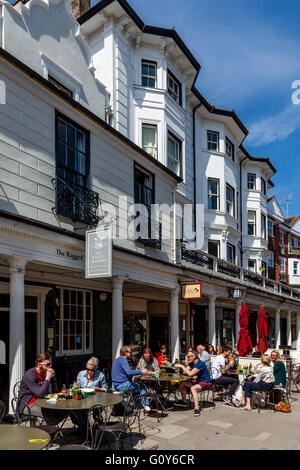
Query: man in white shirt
(203, 356)
(219, 371)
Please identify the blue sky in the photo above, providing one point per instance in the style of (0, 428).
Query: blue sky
(249, 51)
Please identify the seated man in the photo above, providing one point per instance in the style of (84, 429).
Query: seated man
(36, 383)
(201, 380)
(122, 375)
(203, 356)
(219, 370)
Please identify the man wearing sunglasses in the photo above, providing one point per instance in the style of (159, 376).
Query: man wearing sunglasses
(36, 383)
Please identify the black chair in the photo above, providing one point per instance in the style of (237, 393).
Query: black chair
(2, 410)
(16, 389)
(260, 402)
(116, 426)
(25, 418)
(94, 421)
(217, 389)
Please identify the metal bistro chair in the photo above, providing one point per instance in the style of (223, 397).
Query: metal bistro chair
(2, 411)
(16, 389)
(25, 418)
(217, 389)
(117, 426)
(261, 403)
(92, 430)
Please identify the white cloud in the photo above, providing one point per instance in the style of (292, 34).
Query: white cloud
(276, 127)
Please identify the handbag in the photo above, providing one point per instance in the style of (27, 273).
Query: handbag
(284, 407)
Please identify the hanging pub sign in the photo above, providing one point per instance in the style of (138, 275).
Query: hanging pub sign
(98, 253)
(191, 290)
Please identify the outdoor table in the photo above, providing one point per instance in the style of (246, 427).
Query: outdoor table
(103, 399)
(16, 437)
(165, 379)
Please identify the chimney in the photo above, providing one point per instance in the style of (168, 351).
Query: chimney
(79, 7)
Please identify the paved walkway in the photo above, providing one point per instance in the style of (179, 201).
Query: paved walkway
(225, 428)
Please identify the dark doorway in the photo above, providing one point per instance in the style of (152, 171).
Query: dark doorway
(30, 339)
(4, 368)
(159, 332)
(200, 325)
(252, 327)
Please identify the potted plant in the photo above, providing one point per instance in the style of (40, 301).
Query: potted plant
(77, 393)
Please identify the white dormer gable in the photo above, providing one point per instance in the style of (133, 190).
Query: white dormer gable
(44, 35)
(274, 209)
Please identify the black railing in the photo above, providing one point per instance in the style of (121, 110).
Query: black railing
(197, 257)
(76, 202)
(228, 268)
(156, 232)
(252, 277)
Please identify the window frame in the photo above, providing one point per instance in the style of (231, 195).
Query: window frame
(281, 242)
(249, 181)
(254, 224)
(296, 264)
(215, 180)
(211, 142)
(217, 245)
(61, 320)
(229, 247)
(178, 142)
(149, 77)
(68, 121)
(229, 143)
(232, 203)
(148, 174)
(271, 258)
(154, 126)
(176, 98)
(254, 265)
(263, 219)
(270, 224)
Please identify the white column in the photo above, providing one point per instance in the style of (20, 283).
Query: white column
(117, 316)
(174, 324)
(212, 320)
(298, 332)
(238, 307)
(277, 328)
(17, 323)
(289, 328)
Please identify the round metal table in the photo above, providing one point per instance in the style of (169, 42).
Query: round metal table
(99, 398)
(15, 437)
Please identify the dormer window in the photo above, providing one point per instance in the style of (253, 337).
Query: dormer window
(60, 86)
(149, 73)
(174, 87)
(263, 186)
(229, 149)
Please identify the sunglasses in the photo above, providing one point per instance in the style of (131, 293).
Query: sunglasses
(91, 370)
(47, 364)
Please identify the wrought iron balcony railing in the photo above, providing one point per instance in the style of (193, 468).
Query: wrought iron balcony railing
(234, 272)
(152, 242)
(76, 202)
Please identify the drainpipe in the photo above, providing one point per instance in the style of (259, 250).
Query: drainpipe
(194, 170)
(241, 210)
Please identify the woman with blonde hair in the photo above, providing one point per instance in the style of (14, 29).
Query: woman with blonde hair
(279, 374)
(91, 377)
(262, 381)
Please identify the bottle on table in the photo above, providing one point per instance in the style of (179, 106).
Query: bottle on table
(63, 389)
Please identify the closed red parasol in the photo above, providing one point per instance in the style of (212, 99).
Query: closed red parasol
(244, 344)
(262, 344)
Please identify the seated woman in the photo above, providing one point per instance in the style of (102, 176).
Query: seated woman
(91, 377)
(88, 378)
(263, 381)
(211, 350)
(148, 362)
(161, 356)
(279, 374)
